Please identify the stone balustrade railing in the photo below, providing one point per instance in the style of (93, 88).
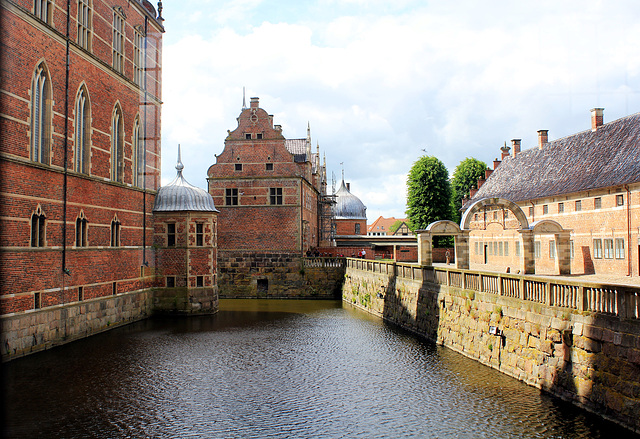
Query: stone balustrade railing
(617, 300)
(321, 262)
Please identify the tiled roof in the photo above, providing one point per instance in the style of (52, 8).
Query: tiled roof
(297, 147)
(385, 224)
(609, 156)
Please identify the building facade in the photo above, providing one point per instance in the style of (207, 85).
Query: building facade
(584, 186)
(349, 213)
(271, 192)
(79, 154)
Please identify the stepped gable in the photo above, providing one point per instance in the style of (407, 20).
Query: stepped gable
(607, 156)
(179, 196)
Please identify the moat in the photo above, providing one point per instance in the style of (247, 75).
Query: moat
(276, 369)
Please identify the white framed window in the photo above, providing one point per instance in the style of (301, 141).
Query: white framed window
(578, 205)
(608, 248)
(545, 209)
(560, 207)
(506, 248)
(117, 145)
(82, 137)
(517, 248)
(536, 249)
(43, 9)
(619, 248)
(40, 115)
(552, 249)
(619, 200)
(597, 248)
(118, 41)
(84, 24)
(500, 248)
(138, 57)
(597, 203)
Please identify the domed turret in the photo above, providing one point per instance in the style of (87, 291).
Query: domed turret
(179, 195)
(348, 206)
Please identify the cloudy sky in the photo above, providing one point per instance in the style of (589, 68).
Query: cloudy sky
(383, 81)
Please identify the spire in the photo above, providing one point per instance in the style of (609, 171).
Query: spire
(179, 165)
(342, 165)
(244, 100)
(308, 141)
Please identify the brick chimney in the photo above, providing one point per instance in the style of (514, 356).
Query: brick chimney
(515, 144)
(597, 118)
(496, 163)
(472, 192)
(481, 182)
(255, 102)
(543, 138)
(505, 151)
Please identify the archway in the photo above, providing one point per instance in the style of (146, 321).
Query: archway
(443, 228)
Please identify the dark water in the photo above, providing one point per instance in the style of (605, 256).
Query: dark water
(276, 369)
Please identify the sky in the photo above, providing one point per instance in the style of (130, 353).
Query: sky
(383, 82)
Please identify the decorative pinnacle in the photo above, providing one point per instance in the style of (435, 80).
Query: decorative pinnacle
(179, 165)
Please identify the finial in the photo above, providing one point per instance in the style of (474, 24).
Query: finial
(342, 164)
(244, 100)
(179, 165)
(160, 12)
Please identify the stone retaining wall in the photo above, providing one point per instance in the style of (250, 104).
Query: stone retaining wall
(591, 359)
(31, 331)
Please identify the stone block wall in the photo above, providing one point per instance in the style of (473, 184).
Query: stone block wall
(590, 359)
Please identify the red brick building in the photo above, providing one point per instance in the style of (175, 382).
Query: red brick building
(349, 213)
(585, 187)
(80, 158)
(271, 194)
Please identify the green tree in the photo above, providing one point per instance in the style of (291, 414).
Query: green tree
(428, 193)
(395, 226)
(465, 177)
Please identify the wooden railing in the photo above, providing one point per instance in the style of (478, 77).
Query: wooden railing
(617, 300)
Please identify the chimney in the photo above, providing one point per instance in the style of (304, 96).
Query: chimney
(255, 102)
(481, 182)
(543, 138)
(487, 173)
(515, 143)
(348, 186)
(473, 192)
(597, 118)
(496, 163)
(505, 151)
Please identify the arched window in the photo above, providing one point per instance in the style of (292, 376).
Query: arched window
(82, 139)
(40, 115)
(115, 232)
(38, 228)
(81, 230)
(138, 150)
(117, 146)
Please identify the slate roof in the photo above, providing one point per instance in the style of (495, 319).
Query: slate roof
(180, 196)
(609, 156)
(348, 206)
(297, 147)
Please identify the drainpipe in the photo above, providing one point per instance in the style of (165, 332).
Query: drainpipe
(144, 146)
(629, 253)
(65, 270)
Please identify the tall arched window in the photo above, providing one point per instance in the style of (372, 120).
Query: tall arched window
(38, 228)
(117, 145)
(138, 150)
(40, 115)
(82, 138)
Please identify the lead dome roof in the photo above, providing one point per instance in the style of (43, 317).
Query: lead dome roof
(179, 195)
(348, 206)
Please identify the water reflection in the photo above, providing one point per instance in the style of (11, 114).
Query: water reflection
(276, 369)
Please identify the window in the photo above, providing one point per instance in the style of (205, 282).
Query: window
(40, 115)
(84, 24)
(80, 294)
(269, 166)
(489, 249)
(171, 234)
(137, 146)
(259, 136)
(619, 248)
(247, 136)
(495, 215)
(536, 249)
(83, 132)
(138, 57)
(238, 167)
(43, 9)
(114, 288)
(552, 249)
(597, 203)
(545, 209)
(171, 281)
(608, 248)
(571, 249)
(231, 197)
(500, 249)
(117, 146)
(578, 205)
(199, 234)
(115, 232)
(475, 217)
(597, 248)
(560, 207)
(81, 230)
(118, 41)
(517, 248)
(476, 247)
(531, 211)
(37, 228)
(620, 200)
(36, 301)
(495, 248)
(506, 249)
(275, 195)
(357, 228)
(199, 281)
